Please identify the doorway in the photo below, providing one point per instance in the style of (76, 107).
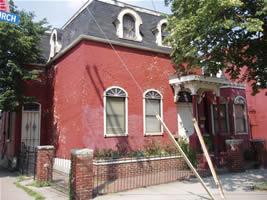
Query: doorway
(31, 125)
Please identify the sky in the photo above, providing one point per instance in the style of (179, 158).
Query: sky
(57, 12)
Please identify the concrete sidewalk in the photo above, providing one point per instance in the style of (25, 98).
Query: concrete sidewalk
(8, 190)
(236, 186)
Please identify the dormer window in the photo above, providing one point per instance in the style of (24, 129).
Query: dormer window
(162, 33)
(128, 25)
(55, 46)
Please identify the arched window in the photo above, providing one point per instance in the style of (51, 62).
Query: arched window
(115, 113)
(128, 27)
(55, 45)
(162, 33)
(152, 107)
(240, 115)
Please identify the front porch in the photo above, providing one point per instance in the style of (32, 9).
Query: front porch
(218, 105)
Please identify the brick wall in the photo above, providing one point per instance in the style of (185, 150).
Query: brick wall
(114, 176)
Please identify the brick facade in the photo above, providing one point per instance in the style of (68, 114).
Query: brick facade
(44, 163)
(81, 174)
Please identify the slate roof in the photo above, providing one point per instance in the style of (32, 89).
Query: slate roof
(45, 47)
(105, 14)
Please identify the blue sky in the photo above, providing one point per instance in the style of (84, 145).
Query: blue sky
(57, 12)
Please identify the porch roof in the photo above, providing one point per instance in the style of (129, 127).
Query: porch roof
(197, 84)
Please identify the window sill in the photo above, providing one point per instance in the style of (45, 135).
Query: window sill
(129, 39)
(241, 133)
(153, 134)
(115, 135)
(164, 46)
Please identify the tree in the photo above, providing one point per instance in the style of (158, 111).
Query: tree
(229, 35)
(19, 46)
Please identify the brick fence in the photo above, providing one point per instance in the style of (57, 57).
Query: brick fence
(124, 174)
(44, 163)
(89, 177)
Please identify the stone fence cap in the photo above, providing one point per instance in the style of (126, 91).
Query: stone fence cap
(45, 147)
(82, 152)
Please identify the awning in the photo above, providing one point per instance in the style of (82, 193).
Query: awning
(197, 84)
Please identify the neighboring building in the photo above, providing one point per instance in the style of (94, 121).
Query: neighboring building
(107, 73)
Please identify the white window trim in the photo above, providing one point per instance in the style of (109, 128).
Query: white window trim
(159, 33)
(245, 111)
(126, 113)
(213, 120)
(138, 22)
(55, 46)
(144, 113)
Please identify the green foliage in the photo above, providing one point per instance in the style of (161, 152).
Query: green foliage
(40, 184)
(260, 186)
(189, 152)
(151, 148)
(19, 47)
(220, 34)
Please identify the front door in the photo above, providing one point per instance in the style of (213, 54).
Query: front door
(30, 132)
(185, 124)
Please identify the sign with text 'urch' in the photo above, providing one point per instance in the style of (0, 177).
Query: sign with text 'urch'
(9, 17)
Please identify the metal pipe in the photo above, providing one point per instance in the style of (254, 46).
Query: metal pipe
(185, 157)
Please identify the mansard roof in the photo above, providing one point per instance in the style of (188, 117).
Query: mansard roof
(105, 13)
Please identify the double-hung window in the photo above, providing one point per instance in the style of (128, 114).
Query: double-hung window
(221, 119)
(240, 115)
(115, 112)
(152, 107)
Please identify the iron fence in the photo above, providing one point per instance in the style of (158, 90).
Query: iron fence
(61, 171)
(124, 174)
(27, 160)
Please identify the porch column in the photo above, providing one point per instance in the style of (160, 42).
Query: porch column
(217, 135)
(193, 137)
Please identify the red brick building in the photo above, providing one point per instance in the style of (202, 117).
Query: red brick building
(107, 74)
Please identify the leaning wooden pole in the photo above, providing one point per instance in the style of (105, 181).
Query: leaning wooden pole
(205, 151)
(185, 157)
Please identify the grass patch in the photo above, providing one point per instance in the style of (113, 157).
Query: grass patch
(30, 192)
(22, 178)
(40, 184)
(260, 186)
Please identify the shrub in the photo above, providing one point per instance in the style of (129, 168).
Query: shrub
(189, 152)
(152, 148)
(208, 141)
